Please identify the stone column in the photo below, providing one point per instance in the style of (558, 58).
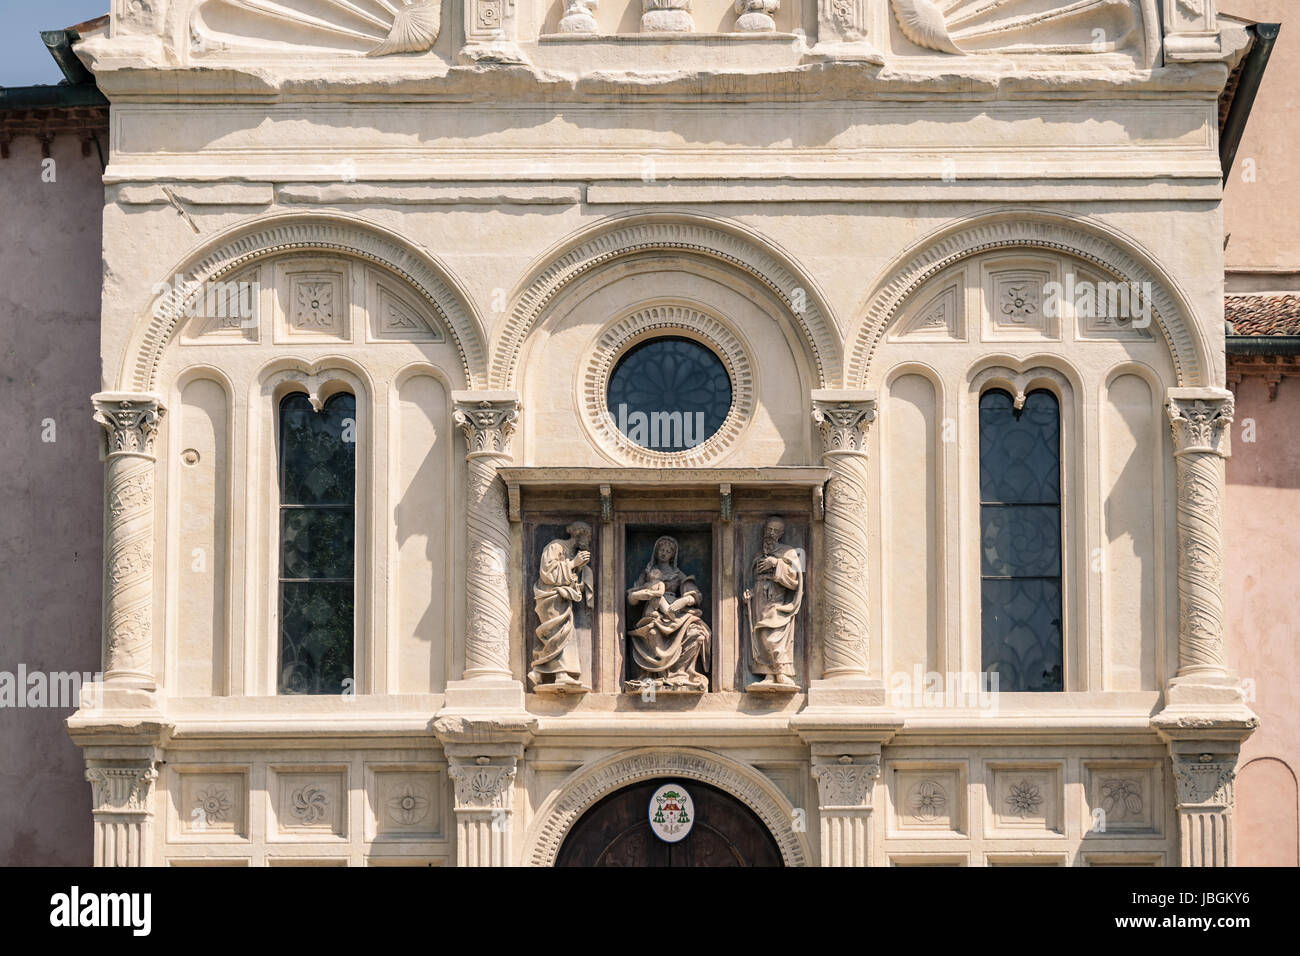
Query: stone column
(1205, 718)
(844, 790)
(483, 756)
(488, 420)
(131, 422)
(1200, 419)
(843, 418)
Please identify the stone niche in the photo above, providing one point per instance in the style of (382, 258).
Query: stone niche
(715, 516)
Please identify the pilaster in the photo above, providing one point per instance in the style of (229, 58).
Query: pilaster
(484, 755)
(122, 759)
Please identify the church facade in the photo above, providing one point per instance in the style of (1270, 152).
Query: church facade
(534, 430)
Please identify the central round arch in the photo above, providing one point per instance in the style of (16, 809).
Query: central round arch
(589, 784)
(638, 234)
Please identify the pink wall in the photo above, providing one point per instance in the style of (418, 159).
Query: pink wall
(52, 524)
(1263, 616)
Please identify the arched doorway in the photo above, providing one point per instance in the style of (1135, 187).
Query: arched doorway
(616, 832)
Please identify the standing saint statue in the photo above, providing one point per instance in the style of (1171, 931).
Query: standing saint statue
(670, 643)
(773, 605)
(563, 579)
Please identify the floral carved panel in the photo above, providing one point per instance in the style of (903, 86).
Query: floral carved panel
(212, 805)
(310, 803)
(1122, 798)
(1024, 799)
(407, 804)
(928, 799)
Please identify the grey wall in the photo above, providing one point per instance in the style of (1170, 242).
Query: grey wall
(51, 517)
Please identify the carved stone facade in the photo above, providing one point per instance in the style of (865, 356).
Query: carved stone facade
(505, 216)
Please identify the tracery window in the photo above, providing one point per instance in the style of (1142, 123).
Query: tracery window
(317, 532)
(669, 393)
(1020, 540)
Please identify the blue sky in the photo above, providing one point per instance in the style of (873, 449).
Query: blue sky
(24, 61)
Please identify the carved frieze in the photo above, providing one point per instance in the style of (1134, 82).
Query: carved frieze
(380, 29)
(964, 27)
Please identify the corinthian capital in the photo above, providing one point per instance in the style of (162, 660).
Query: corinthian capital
(845, 784)
(843, 417)
(482, 785)
(1200, 419)
(130, 419)
(121, 789)
(488, 420)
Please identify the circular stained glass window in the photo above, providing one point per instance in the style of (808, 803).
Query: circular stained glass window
(669, 394)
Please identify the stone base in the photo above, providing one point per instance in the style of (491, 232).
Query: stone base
(659, 689)
(755, 23)
(561, 690)
(859, 51)
(496, 51)
(1198, 690)
(578, 23)
(485, 694)
(667, 21)
(847, 692)
(771, 687)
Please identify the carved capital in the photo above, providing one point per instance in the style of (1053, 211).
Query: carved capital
(845, 785)
(1205, 781)
(843, 418)
(121, 789)
(1200, 419)
(488, 420)
(481, 784)
(130, 420)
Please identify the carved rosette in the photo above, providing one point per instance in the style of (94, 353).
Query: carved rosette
(1200, 424)
(488, 424)
(121, 801)
(843, 422)
(131, 425)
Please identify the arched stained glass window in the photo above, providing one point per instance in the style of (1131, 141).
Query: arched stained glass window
(1020, 540)
(317, 507)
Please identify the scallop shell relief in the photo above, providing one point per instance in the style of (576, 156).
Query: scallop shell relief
(368, 27)
(1018, 26)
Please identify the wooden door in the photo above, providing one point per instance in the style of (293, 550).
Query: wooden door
(616, 832)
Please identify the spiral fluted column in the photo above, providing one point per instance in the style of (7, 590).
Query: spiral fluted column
(131, 422)
(488, 420)
(843, 418)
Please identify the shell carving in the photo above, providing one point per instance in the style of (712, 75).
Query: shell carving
(369, 27)
(1017, 26)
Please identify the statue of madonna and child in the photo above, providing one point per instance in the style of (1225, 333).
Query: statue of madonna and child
(670, 642)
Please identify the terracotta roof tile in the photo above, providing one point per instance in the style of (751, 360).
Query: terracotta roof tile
(1262, 314)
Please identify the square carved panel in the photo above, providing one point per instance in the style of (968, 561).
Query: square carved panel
(313, 301)
(212, 804)
(310, 802)
(1017, 302)
(1122, 798)
(929, 799)
(407, 804)
(1024, 799)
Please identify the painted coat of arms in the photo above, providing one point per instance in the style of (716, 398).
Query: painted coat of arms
(672, 813)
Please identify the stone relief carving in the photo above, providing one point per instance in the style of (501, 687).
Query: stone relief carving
(564, 579)
(409, 806)
(215, 804)
(772, 607)
(755, 16)
(1017, 26)
(666, 16)
(928, 801)
(131, 424)
(371, 28)
(1121, 797)
(670, 643)
(1024, 799)
(579, 17)
(1204, 781)
(1200, 430)
(121, 789)
(482, 785)
(310, 803)
(845, 784)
